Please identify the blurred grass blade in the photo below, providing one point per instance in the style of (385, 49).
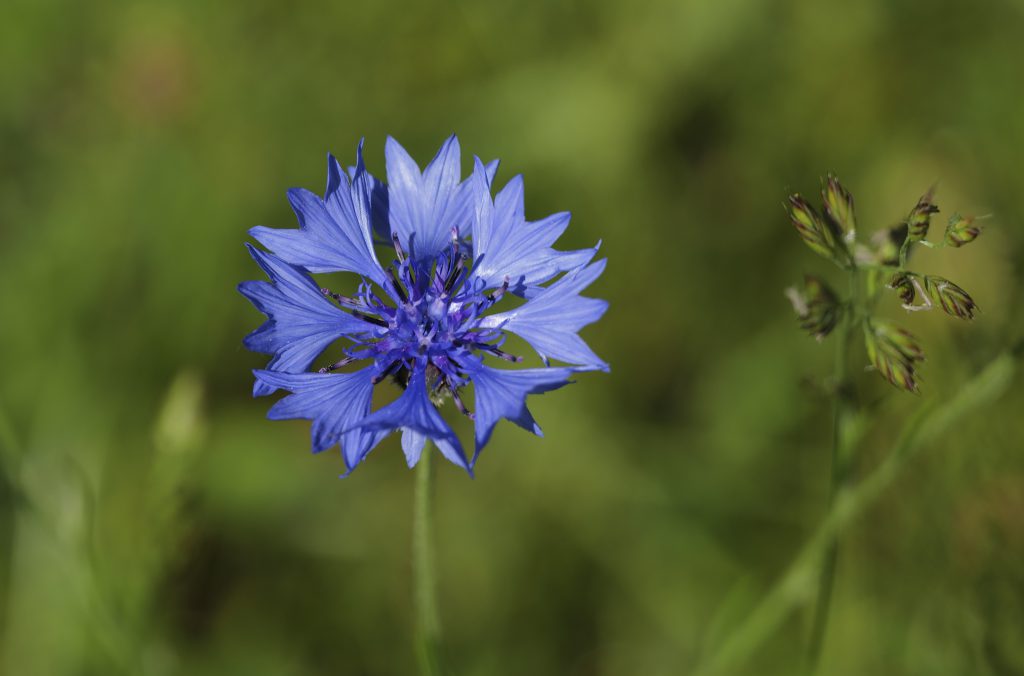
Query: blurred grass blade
(10, 449)
(179, 426)
(797, 585)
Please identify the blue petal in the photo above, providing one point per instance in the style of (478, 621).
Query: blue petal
(334, 233)
(412, 445)
(424, 208)
(505, 244)
(378, 201)
(413, 442)
(551, 319)
(334, 402)
(465, 197)
(301, 321)
(414, 411)
(502, 394)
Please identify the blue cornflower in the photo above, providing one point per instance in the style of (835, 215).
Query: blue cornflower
(425, 318)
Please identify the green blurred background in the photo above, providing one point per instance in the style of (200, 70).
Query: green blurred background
(152, 521)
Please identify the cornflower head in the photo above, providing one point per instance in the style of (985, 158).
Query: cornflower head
(880, 262)
(427, 315)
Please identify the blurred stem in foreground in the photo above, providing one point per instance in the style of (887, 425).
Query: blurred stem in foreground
(796, 586)
(428, 624)
(10, 496)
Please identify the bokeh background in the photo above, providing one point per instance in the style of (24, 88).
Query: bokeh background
(152, 521)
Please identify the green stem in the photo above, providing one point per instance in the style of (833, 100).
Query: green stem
(428, 624)
(795, 587)
(843, 410)
(904, 251)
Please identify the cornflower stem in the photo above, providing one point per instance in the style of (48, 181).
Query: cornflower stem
(428, 625)
(844, 407)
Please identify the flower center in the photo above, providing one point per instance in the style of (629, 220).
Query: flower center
(428, 313)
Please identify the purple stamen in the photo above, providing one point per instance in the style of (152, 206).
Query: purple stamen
(337, 365)
(399, 251)
(386, 372)
(369, 318)
(501, 353)
(397, 286)
(432, 321)
(459, 404)
(453, 276)
(340, 299)
(498, 293)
